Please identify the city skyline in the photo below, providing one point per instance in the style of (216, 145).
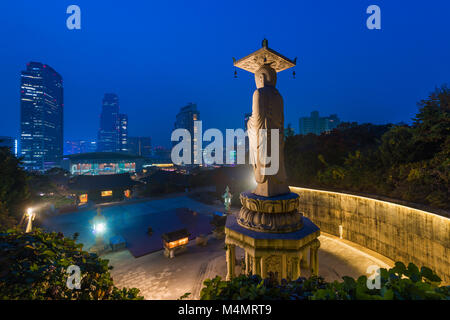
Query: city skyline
(247, 153)
(372, 76)
(316, 124)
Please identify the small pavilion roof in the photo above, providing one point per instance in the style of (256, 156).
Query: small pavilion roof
(175, 235)
(101, 182)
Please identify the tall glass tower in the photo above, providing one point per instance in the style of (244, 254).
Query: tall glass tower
(185, 120)
(123, 133)
(41, 117)
(107, 134)
(113, 132)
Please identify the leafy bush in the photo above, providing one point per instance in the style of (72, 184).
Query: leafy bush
(14, 190)
(33, 266)
(398, 283)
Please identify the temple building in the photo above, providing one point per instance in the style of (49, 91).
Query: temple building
(104, 188)
(175, 242)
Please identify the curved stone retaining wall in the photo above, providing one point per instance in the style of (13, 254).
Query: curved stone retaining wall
(398, 232)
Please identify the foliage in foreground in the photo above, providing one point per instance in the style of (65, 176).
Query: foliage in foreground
(14, 190)
(398, 283)
(33, 266)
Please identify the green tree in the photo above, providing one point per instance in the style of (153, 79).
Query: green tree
(34, 266)
(432, 123)
(289, 131)
(416, 159)
(14, 190)
(397, 146)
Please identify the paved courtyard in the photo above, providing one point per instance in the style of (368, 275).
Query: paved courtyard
(161, 278)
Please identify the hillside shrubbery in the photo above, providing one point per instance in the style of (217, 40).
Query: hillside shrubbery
(410, 163)
(34, 265)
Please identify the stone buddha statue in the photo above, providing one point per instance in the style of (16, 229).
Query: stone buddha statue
(269, 226)
(267, 113)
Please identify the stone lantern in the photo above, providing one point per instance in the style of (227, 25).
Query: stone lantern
(99, 229)
(227, 196)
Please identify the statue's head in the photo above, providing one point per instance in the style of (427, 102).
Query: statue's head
(266, 76)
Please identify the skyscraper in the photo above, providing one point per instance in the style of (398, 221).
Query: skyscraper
(9, 142)
(123, 133)
(141, 146)
(316, 125)
(113, 132)
(107, 134)
(41, 117)
(79, 146)
(185, 120)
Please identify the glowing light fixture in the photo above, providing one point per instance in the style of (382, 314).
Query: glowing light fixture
(99, 228)
(30, 215)
(99, 224)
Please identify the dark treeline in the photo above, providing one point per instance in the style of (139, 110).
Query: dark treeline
(410, 163)
(14, 191)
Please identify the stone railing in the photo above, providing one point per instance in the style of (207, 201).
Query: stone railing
(398, 232)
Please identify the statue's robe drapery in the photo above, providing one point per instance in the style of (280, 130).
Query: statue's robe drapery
(267, 113)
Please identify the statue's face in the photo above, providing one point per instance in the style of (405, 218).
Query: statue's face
(265, 76)
(259, 79)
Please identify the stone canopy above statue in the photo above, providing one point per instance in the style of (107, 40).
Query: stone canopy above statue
(265, 55)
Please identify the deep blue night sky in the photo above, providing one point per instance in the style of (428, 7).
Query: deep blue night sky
(159, 55)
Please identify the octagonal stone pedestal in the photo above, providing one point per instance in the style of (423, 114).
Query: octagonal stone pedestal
(280, 253)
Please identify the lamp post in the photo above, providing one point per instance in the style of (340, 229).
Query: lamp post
(30, 215)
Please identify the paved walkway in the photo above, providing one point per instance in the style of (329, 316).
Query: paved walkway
(338, 258)
(161, 278)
